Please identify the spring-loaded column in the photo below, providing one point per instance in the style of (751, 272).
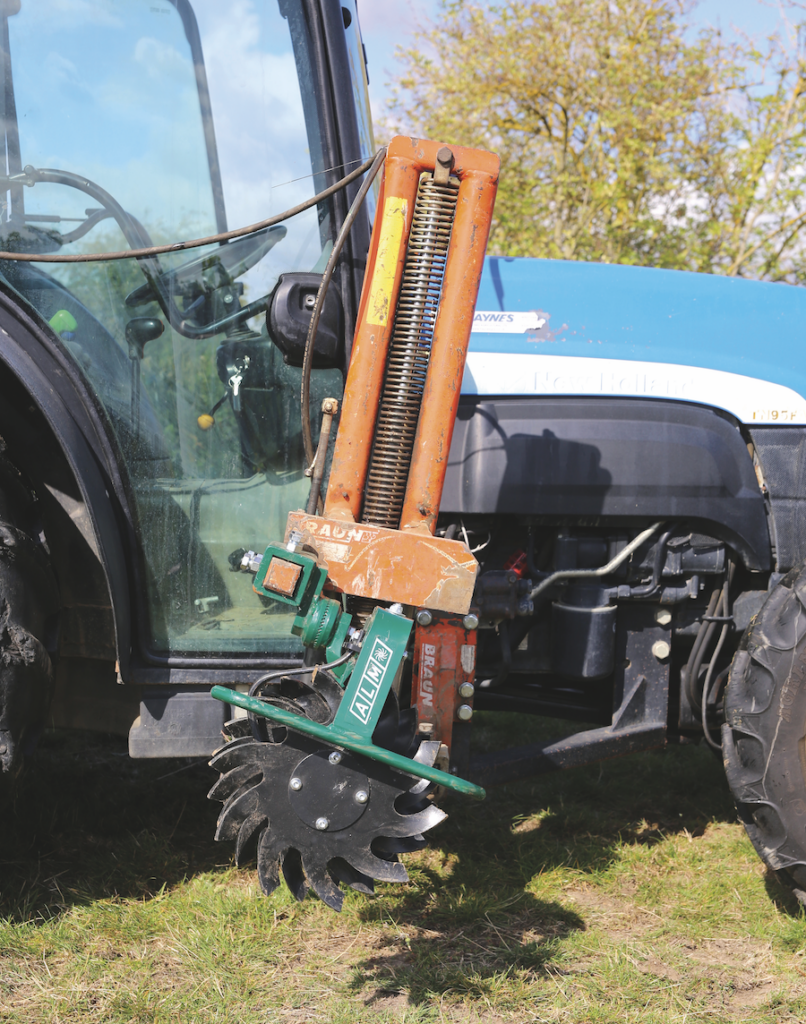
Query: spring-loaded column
(409, 351)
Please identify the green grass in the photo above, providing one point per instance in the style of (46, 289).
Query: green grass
(621, 892)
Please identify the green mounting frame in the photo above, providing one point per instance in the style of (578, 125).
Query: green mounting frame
(375, 670)
(320, 621)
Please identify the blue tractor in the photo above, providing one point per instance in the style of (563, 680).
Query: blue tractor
(618, 532)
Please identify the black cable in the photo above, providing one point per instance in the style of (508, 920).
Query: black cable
(712, 664)
(307, 360)
(29, 177)
(254, 724)
(699, 640)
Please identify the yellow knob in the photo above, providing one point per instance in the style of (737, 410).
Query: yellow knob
(206, 421)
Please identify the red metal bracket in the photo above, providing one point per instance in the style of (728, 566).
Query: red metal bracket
(444, 660)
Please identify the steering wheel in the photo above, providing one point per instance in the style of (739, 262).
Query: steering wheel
(212, 270)
(220, 267)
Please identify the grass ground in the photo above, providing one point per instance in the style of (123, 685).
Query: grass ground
(622, 892)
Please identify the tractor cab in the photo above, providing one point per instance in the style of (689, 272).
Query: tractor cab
(149, 122)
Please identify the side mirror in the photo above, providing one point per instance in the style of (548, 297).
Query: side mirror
(289, 317)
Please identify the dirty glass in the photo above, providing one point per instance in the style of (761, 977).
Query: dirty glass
(137, 122)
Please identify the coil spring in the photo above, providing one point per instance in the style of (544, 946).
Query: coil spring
(409, 352)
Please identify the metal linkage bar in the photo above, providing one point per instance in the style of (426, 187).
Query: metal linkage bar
(350, 741)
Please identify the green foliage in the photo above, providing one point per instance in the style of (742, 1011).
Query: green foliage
(623, 136)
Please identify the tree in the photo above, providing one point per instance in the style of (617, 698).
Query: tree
(623, 136)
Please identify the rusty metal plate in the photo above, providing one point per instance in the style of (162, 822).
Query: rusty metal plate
(282, 577)
(390, 565)
(444, 658)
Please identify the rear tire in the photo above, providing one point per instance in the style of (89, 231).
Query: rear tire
(28, 610)
(764, 735)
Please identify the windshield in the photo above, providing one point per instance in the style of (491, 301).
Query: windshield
(137, 122)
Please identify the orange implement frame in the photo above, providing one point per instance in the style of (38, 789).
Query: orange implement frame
(406, 160)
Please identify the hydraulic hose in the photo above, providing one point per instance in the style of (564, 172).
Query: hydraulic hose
(28, 177)
(307, 360)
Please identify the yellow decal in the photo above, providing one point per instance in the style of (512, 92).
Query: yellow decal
(383, 278)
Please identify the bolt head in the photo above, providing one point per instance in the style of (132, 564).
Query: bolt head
(361, 796)
(464, 712)
(424, 617)
(466, 690)
(661, 649)
(335, 757)
(322, 824)
(663, 616)
(471, 621)
(295, 784)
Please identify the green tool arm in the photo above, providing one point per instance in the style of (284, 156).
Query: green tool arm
(349, 740)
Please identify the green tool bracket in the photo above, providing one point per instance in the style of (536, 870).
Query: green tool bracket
(377, 666)
(320, 621)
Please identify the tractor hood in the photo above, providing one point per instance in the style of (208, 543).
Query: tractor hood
(554, 327)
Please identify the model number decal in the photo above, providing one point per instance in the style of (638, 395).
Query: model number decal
(774, 414)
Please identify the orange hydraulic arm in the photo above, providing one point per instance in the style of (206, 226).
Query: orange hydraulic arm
(403, 386)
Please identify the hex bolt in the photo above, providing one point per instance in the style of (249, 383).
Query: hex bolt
(295, 784)
(466, 690)
(663, 616)
(424, 617)
(396, 608)
(361, 796)
(464, 712)
(322, 824)
(334, 757)
(661, 649)
(470, 621)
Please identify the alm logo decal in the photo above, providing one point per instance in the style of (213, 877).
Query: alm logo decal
(371, 681)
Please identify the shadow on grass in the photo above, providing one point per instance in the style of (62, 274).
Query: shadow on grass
(86, 823)
(782, 896)
(476, 924)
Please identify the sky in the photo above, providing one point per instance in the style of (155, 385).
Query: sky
(386, 24)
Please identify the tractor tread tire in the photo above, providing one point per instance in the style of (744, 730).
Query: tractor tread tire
(764, 734)
(28, 610)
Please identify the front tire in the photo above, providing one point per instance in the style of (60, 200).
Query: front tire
(28, 608)
(764, 735)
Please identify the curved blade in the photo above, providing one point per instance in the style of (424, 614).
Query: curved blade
(320, 881)
(247, 830)
(381, 870)
(413, 824)
(343, 872)
(232, 780)
(230, 754)
(268, 862)
(386, 846)
(294, 874)
(237, 809)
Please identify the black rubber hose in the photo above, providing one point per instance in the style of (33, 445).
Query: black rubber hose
(698, 642)
(307, 361)
(649, 589)
(712, 664)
